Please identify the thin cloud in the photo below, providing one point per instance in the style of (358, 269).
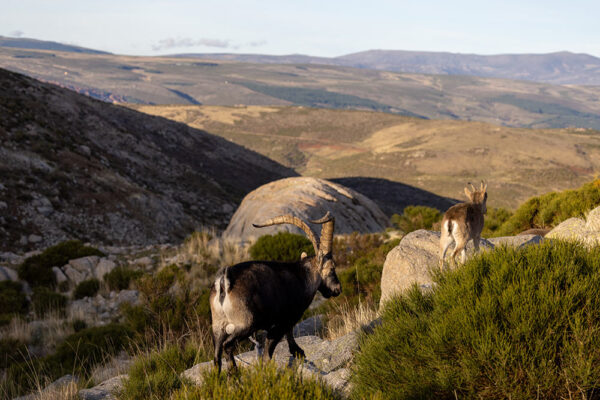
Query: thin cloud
(257, 43)
(172, 43)
(16, 34)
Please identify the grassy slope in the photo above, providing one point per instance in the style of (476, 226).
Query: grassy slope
(162, 80)
(439, 156)
(518, 324)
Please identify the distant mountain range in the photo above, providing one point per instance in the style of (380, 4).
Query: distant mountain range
(556, 68)
(560, 68)
(26, 43)
(230, 80)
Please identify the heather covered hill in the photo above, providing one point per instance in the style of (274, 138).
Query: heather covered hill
(185, 81)
(75, 167)
(399, 153)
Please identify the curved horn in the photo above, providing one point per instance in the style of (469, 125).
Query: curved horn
(483, 186)
(290, 219)
(473, 190)
(328, 222)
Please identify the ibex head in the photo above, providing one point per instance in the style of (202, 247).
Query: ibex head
(478, 196)
(323, 260)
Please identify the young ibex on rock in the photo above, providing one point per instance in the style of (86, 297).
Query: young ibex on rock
(463, 222)
(271, 295)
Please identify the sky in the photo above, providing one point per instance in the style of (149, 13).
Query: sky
(325, 28)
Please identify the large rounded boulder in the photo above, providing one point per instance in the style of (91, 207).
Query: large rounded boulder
(308, 199)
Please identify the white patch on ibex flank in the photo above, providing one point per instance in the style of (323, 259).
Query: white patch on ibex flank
(454, 227)
(446, 225)
(230, 328)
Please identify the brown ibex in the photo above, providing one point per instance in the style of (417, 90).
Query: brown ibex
(463, 222)
(271, 295)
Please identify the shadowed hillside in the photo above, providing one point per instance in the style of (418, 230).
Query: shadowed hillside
(74, 167)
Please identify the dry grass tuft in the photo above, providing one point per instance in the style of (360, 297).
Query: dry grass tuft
(345, 318)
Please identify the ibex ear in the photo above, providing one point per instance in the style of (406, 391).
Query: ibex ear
(483, 186)
(303, 256)
(468, 193)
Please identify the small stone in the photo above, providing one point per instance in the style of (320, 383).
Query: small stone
(85, 150)
(3, 205)
(74, 276)
(85, 265)
(23, 241)
(60, 276)
(104, 267)
(8, 274)
(144, 261)
(127, 296)
(105, 390)
(34, 238)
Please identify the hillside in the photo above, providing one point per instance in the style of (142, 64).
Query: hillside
(432, 156)
(172, 80)
(557, 68)
(26, 43)
(75, 167)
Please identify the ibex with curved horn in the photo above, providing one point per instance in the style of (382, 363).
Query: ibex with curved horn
(271, 295)
(463, 222)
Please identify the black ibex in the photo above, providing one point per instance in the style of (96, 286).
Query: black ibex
(271, 295)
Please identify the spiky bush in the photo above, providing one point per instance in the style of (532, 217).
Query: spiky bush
(551, 209)
(157, 374)
(169, 304)
(37, 270)
(283, 246)
(510, 323)
(45, 300)
(120, 277)
(87, 288)
(12, 301)
(77, 355)
(416, 217)
(258, 382)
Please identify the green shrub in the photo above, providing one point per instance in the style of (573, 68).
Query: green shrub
(170, 304)
(77, 355)
(416, 217)
(120, 277)
(37, 270)
(258, 382)
(12, 351)
(79, 325)
(87, 288)
(551, 209)
(283, 246)
(157, 375)
(12, 301)
(45, 300)
(493, 220)
(510, 323)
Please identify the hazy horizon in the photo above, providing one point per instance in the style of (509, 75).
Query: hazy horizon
(158, 27)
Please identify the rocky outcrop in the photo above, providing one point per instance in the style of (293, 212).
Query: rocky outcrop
(326, 359)
(410, 262)
(104, 391)
(99, 310)
(585, 231)
(306, 198)
(417, 253)
(516, 241)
